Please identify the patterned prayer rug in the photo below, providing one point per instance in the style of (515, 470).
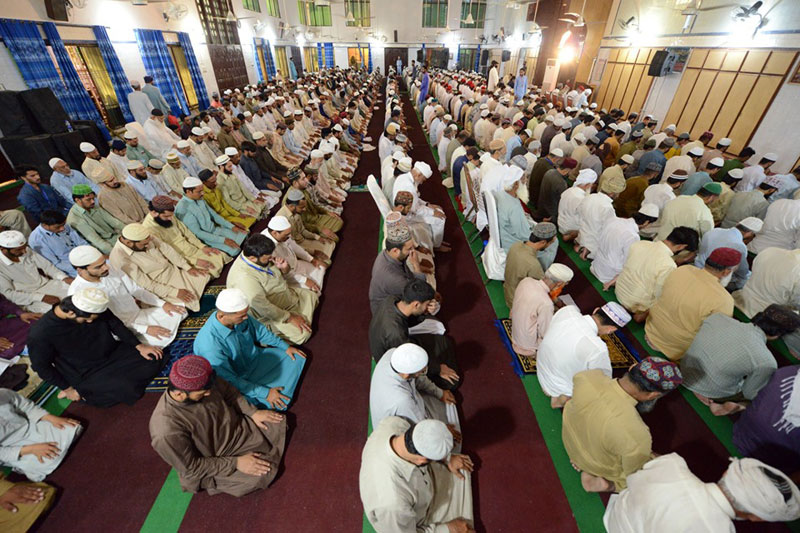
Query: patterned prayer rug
(620, 350)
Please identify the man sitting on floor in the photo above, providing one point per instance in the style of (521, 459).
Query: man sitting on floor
(409, 480)
(572, 344)
(249, 356)
(392, 268)
(53, 239)
(603, 432)
(89, 354)
(210, 434)
(22, 504)
(524, 260)
(304, 270)
(665, 487)
(316, 244)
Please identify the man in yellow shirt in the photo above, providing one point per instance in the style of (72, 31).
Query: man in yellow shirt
(213, 197)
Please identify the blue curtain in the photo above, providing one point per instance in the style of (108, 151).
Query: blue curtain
(478, 58)
(114, 68)
(329, 55)
(319, 56)
(369, 49)
(258, 61)
(268, 59)
(158, 64)
(458, 55)
(194, 69)
(76, 100)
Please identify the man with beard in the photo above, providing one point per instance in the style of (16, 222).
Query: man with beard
(134, 150)
(119, 199)
(162, 222)
(94, 162)
(237, 189)
(95, 224)
(395, 266)
(209, 226)
(139, 180)
(317, 245)
(162, 138)
(264, 157)
(87, 352)
(153, 320)
(303, 269)
(214, 197)
(603, 432)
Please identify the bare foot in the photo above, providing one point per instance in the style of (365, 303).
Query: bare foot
(559, 401)
(595, 484)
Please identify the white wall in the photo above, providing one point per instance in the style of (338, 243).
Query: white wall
(659, 99)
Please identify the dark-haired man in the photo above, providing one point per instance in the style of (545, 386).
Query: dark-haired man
(36, 196)
(53, 240)
(94, 223)
(392, 268)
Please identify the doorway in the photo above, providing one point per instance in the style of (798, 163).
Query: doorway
(390, 56)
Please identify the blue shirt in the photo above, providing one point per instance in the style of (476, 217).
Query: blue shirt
(725, 238)
(190, 164)
(290, 142)
(146, 188)
(55, 247)
(63, 184)
(46, 198)
(653, 156)
(512, 143)
(458, 164)
(520, 87)
(694, 183)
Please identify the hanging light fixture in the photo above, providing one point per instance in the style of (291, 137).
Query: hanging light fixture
(230, 17)
(349, 17)
(469, 19)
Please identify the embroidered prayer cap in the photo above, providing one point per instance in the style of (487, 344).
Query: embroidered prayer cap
(544, 231)
(163, 203)
(190, 182)
(90, 300)
(183, 144)
(627, 158)
(84, 255)
(155, 163)
(568, 162)
(496, 144)
(587, 175)
(713, 188)
(559, 272)
(81, 189)
(697, 151)
(135, 232)
(133, 164)
(679, 175)
(130, 135)
(650, 210)
(753, 224)
(409, 358)
(279, 223)
(190, 373)
(12, 239)
(716, 162)
(725, 257)
(257, 135)
(230, 151)
(222, 160)
(762, 490)
(424, 168)
(736, 173)
(618, 314)
(294, 174)
(294, 195)
(87, 147)
(432, 439)
(613, 185)
(232, 300)
(197, 131)
(724, 142)
(662, 374)
(397, 231)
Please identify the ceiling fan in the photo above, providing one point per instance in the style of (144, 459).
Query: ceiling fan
(629, 24)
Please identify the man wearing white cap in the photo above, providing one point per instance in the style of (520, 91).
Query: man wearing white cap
(303, 269)
(755, 174)
(140, 181)
(595, 211)
(286, 310)
(665, 496)
(678, 162)
(781, 227)
(162, 138)
(572, 344)
(187, 158)
(533, 308)
(236, 196)
(512, 222)
(155, 322)
(200, 148)
(422, 211)
(172, 174)
(93, 163)
(134, 149)
(736, 237)
(713, 153)
(400, 387)
(28, 279)
(569, 220)
(616, 238)
(64, 178)
(249, 356)
(316, 244)
(89, 354)
(157, 267)
(410, 480)
(210, 227)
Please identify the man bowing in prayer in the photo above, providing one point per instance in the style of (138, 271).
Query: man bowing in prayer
(87, 352)
(212, 436)
(261, 365)
(431, 214)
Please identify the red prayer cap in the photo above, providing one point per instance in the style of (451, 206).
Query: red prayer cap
(726, 257)
(569, 163)
(190, 373)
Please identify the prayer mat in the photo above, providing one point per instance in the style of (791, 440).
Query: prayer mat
(620, 350)
(358, 188)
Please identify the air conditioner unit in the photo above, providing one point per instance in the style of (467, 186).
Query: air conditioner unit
(139, 2)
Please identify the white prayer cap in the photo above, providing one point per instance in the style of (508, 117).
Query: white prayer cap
(424, 168)
(549, 105)
(613, 127)
(650, 210)
(549, 118)
(556, 152)
(230, 151)
(559, 272)
(771, 156)
(762, 490)
(207, 130)
(528, 132)
(724, 142)
(12, 239)
(270, 101)
(197, 131)
(316, 154)
(232, 301)
(345, 122)
(190, 182)
(696, 151)
(129, 134)
(628, 158)
(558, 122)
(587, 175)
(84, 255)
(294, 195)
(337, 127)
(135, 232)
(717, 162)
(510, 175)
(287, 114)
(432, 439)
(90, 300)
(222, 160)
(408, 358)
(247, 114)
(593, 105)
(754, 224)
(567, 125)
(182, 144)
(484, 113)
(448, 117)
(736, 173)
(87, 147)
(257, 135)
(54, 161)
(618, 314)
(483, 106)
(579, 138)
(671, 127)
(404, 165)
(279, 223)
(133, 164)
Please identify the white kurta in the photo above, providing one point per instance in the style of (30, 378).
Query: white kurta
(571, 345)
(122, 294)
(300, 266)
(775, 279)
(677, 162)
(781, 227)
(612, 250)
(160, 136)
(569, 218)
(420, 211)
(595, 211)
(22, 283)
(752, 177)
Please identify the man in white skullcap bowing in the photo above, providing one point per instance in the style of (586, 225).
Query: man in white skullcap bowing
(572, 344)
(431, 214)
(153, 320)
(244, 352)
(512, 222)
(781, 227)
(28, 279)
(665, 496)
(303, 269)
(410, 480)
(569, 220)
(87, 352)
(753, 175)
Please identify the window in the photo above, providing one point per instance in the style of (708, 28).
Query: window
(94, 76)
(466, 59)
(252, 5)
(313, 15)
(262, 62)
(358, 57)
(282, 61)
(182, 68)
(273, 10)
(311, 59)
(360, 11)
(212, 18)
(476, 8)
(434, 13)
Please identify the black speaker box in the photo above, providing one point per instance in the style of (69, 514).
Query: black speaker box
(484, 57)
(46, 110)
(15, 119)
(657, 66)
(506, 56)
(35, 150)
(68, 147)
(419, 56)
(92, 134)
